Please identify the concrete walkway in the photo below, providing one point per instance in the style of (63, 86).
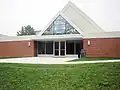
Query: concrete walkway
(37, 60)
(50, 60)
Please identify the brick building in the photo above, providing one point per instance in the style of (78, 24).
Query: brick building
(65, 35)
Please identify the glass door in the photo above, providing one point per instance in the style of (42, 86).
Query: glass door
(56, 49)
(62, 48)
(59, 48)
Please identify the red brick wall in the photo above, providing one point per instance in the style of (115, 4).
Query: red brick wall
(102, 47)
(17, 49)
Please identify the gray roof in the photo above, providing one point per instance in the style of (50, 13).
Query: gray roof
(113, 34)
(80, 19)
(60, 37)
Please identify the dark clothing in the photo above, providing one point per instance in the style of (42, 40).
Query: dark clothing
(79, 53)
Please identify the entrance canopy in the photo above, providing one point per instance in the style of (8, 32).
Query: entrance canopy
(58, 37)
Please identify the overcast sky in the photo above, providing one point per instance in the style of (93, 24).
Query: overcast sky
(17, 13)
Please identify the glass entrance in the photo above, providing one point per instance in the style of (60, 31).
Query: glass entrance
(59, 48)
(56, 53)
(62, 48)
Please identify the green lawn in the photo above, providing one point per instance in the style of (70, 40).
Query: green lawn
(93, 59)
(8, 57)
(102, 76)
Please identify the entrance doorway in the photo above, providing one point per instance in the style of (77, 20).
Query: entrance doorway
(59, 48)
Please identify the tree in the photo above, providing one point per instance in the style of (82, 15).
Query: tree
(26, 30)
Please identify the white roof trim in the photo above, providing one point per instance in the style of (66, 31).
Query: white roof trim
(58, 37)
(61, 37)
(43, 38)
(81, 13)
(103, 35)
(70, 22)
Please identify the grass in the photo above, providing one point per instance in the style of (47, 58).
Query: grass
(8, 57)
(92, 59)
(102, 76)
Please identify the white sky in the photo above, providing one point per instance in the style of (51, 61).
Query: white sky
(17, 13)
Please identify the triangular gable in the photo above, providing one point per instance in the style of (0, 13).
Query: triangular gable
(80, 19)
(59, 27)
(62, 15)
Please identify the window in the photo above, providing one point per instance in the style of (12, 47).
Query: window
(45, 47)
(60, 26)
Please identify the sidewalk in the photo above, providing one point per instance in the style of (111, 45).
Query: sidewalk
(50, 60)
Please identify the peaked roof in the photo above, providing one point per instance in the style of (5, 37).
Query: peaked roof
(69, 21)
(73, 15)
(80, 19)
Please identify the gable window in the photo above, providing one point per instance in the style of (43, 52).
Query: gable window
(60, 26)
